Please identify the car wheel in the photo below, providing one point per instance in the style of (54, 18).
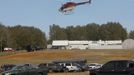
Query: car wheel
(40, 73)
(50, 70)
(66, 70)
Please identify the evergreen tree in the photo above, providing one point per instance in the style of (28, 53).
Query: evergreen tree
(131, 34)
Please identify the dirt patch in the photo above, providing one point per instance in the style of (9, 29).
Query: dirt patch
(98, 56)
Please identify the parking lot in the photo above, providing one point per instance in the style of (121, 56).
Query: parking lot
(76, 73)
(92, 56)
(67, 67)
(71, 73)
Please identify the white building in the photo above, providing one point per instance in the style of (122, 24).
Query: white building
(111, 44)
(65, 44)
(78, 45)
(128, 44)
(60, 44)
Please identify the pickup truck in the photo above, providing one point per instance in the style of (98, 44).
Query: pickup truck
(115, 67)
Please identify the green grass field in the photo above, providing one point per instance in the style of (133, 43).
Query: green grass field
(92, 56)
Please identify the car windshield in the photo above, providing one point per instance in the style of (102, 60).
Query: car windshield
(17, 68)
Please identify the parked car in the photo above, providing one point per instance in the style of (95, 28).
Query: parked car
(84, 66)
(7, 67)
(98, 66)
(94, 66)
(81, 64)
(51, 67)
(69, 67)
(8, 49)
(115, 67)
(25, 69)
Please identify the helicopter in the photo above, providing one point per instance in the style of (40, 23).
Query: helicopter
(68, 7)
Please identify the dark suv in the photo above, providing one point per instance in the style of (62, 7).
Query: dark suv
(115, 67)
(51, 67)
(26, 69)
(7, 67)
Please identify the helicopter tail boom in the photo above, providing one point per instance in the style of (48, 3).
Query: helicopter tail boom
(84, 2)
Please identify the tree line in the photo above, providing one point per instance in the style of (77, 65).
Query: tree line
(131, 34)
(92, 31)
(19, 37)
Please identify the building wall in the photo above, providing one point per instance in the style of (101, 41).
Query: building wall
(128, 44)
(116, 44)
(106, 47)
(81, 47)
